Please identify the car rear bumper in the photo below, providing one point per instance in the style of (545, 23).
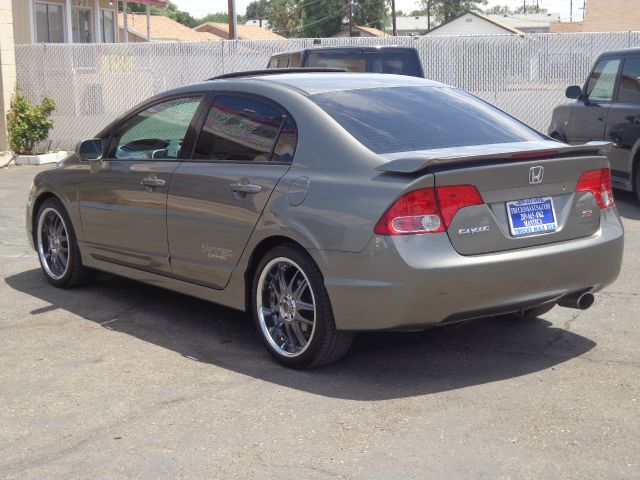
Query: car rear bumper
(409, 282)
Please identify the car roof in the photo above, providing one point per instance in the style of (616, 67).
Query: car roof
(314, 83)
(346, 48)
(622, 52)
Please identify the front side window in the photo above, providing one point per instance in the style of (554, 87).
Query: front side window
(602, 81)
(629, 91)
(82, 26)
(49, 23)
(155, 133)
(107, 26)
(402, 119)
(241, 129)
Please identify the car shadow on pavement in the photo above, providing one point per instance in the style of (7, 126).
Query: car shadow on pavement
(628, 205)
(379, 365)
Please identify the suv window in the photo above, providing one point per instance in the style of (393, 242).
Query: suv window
(398, 63)
(240, 129)
(402, 119)
(629, 91)
(156, 132)
(602, 81)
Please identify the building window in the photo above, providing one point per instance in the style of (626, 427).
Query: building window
(49, 23)
(107, 26)
(82, 25)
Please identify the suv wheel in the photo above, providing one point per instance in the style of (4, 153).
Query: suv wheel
(292, 310)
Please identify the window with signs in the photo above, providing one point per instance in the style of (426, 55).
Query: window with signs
(81, 25)
(245, 129)
(629, 91)
(108, 26)
(49, 23)
(602, 81)
(156, 132)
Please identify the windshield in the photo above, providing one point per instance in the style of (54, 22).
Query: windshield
(402, 119)
(398, 63)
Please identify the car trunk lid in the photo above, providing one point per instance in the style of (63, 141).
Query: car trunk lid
(528, 190)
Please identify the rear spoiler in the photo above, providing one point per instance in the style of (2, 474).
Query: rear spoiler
(416, 161)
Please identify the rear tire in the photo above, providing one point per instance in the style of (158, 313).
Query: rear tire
(292, 311)
(57, 247)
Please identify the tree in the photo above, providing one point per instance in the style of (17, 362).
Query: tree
(285, 17)
(499, 10)
(370, 13)
(218, 17)
(257, 10)
(171, 11)
(530, 9)
(446, 10)
(323, 19)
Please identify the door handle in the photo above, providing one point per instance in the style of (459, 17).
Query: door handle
(152, 181)
(245, 187)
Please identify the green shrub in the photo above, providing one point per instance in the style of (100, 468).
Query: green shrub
(28, 124)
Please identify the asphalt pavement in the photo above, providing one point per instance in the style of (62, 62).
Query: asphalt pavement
(120, 380)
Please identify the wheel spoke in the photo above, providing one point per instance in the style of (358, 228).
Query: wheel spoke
(302, 341)
(302, 286)
(304, 305)
(299, 318)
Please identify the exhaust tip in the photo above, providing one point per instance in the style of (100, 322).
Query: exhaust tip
(578, 300)
(585, 301)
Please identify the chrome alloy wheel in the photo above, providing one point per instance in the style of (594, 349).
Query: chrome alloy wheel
(286, 307)
(53, 243)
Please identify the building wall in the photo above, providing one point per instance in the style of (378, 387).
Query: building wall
(605, 16)
(22, 32)
(469, 25)
(7, 67)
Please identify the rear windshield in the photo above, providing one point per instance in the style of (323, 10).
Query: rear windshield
(397, 63)
(401, 119)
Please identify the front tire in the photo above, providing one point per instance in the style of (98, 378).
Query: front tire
(292, 310)
(57, 247)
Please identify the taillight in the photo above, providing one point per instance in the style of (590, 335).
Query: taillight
(453, 198)
(414, 212)
(429, 210)
(598, 182)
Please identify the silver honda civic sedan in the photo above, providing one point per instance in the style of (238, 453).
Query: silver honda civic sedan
(330, 203)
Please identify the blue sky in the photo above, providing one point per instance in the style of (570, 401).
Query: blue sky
(199, 8)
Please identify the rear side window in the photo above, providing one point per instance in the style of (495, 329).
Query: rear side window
(241, 129)
(629, 91)
(602, 80)
(402, 119)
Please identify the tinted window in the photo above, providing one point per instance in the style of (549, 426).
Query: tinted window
(156, 132)
(402, 119)
(239, 128)
(286, 145)
(602, 81)
(629, 91)
(399, 63)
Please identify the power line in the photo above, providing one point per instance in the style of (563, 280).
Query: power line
(295, 29)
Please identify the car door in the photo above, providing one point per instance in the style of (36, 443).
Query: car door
(123, 198)
(623, 121)
(589, 113)
(246, 144)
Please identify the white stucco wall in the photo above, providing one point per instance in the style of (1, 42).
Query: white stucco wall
(469, 25)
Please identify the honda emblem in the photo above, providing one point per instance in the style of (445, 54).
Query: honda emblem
(536, 174)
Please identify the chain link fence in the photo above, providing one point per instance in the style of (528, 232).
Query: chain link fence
(94, 83)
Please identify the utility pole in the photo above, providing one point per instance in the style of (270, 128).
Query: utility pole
(393, 16)
(350, 12)
(571, 10)
(537, 6)
(233, 20)
(428, 15)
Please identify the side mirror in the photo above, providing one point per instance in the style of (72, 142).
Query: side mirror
(573, 92)
(90, 149)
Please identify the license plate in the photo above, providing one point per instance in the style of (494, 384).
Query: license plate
(531, 216)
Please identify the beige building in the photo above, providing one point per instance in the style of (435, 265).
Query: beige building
(360, 31)
(245, 32)
(161, 29)
(604, 16)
